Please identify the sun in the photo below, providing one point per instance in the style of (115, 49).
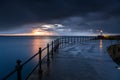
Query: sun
(40, 32)
(37, 32)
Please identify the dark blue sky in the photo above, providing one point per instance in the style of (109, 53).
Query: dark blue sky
(74, 15)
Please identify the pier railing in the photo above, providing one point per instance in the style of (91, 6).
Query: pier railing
(72, 40)
(51, 48)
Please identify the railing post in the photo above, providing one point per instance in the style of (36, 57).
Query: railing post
(60, 41)
(71, 39)
(58, 44)
(74, 39)
(40, 61)
(19, 70)
(52, 49)
(48, 57)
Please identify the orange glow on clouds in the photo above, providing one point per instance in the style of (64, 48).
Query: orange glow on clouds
(39, 31)
(34, 32)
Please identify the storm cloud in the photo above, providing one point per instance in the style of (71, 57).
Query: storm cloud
(74, 14)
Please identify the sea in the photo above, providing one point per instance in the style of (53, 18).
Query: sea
(13, 48)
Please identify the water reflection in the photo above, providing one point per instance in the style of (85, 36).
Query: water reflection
(101, 45)
(37, 43)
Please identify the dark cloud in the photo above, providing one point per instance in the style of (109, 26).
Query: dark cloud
(14, 13)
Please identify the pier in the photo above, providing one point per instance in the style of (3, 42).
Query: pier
(70, 58)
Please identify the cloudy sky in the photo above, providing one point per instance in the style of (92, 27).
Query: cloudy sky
(59, 16)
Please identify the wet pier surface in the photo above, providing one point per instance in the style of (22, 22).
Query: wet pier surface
(82, 61)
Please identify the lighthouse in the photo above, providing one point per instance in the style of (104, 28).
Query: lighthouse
(101, 32)
(100, 36)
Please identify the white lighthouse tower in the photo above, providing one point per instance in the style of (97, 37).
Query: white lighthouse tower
(101, 32)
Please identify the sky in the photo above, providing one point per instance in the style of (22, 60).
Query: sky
(49, 17)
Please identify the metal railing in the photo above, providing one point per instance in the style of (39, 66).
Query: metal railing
(19, 65)
(54, 45)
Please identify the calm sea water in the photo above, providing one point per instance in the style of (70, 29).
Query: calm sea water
(13, 48)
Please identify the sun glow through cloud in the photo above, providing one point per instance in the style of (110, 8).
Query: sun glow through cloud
(41, 32)
(37, 32)
(47, 30)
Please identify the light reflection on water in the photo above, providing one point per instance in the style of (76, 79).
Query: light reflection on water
(39, 43)
(101, 45)
(25, 47)
(19, 47)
